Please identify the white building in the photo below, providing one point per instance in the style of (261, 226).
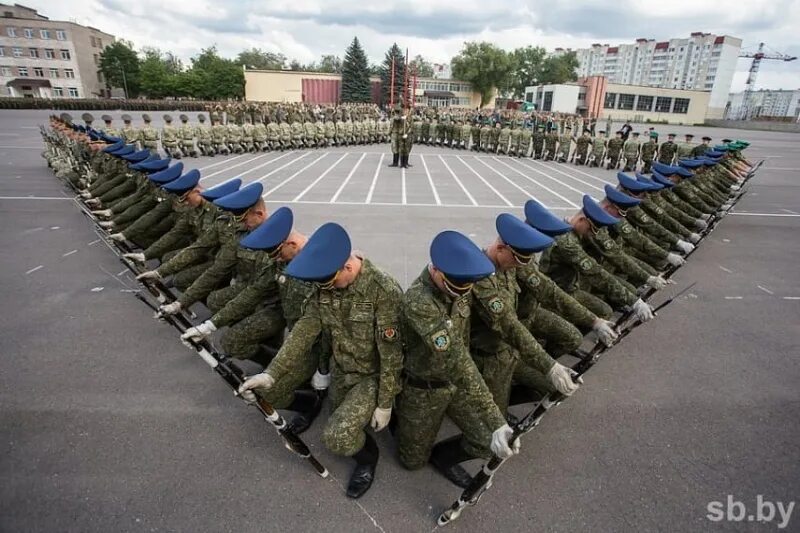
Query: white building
(43, 58)
(701, 62)
(558, 98)
(766, 103)
(442, 71)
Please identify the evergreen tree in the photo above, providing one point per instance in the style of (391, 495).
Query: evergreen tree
(355, 75)
(386, 75)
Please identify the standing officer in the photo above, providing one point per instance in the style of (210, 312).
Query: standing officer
(397, 132)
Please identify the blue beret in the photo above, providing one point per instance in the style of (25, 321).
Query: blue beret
(168, 174)
(241, 200)
(661, 168)
(125, 150)
(662, 180)
(223, 189)
(184, 184)
(521, 236)
(690, 163)
(619, 198)
(138, 165)
(150, 167)
(713, 153)
(459, 258)
(324, 254)
(114, 147)
(271, 232)
(111, 140)
(647, 181)
(632, 184)
(136, 157)
(93, 136)
(709, 162)
(540, 218)
(596, 213)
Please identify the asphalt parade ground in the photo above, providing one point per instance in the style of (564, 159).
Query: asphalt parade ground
(108, 423)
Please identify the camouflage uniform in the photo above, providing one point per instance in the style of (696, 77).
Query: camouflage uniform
(234, 138)
(614, 150)
(598, 150)
(205, 141)
(188, 264)
(148, 136)
(169, 138)
(219, 133)
(639, 245)
(186, 134)
(648, 151)
(612, 257)
(666, 152)
(630, 151)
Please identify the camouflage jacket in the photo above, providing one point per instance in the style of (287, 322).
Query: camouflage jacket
(539, 290)
(611, 255)
(260, 273)
(645, 223)
(660, 215)
(638, 244)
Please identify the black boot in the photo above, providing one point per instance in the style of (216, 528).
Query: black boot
(364, 472)
(404, 162)
(307, 405)
(446, 456)
(395, 159)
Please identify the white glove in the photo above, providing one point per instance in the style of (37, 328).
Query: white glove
(86, 195)
(320, 381)
(150, 274)
(705, 216)
(735, 187)
(675, 260)
(405, 136)
(93, 202)
(561, 378)
(725, 207)
(138, 257)
(657, 282)
(259, 381)
(380, 418)
(684, 246)
(642, 311)
(102, 213)
(170, 309)
(199, 332)
(403, 117)
(107, 224)
(695, 238)
(605, 331)
(500, 446)
(119, 237)
(700, 224)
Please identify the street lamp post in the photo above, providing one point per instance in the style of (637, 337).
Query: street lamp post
(124, 80)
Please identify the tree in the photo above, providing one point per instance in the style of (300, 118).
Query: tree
(157, 74)
(355, 75)
(216, 78)
(527, 70)
(255, 58)
(119, 64)
(560, 68)
(423, 68)
(330, 63)
(394, 53)
(296, 65)
(485, 66)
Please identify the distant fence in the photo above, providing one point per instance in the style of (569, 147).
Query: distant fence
(109, 104)
(755, 125)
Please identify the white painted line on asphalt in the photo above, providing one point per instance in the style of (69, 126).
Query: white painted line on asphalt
(394, 204)
(273, 171)
(565, 174)
(122, 272)
(403, 185)
(526, 193)
(746, 214)
(290, 178)
(790, 211)
(725, 269)
(218, 163)
(34, 269)
(554, 179)
(69, 253)
(506, 200)
(430, 181)
(9, 134)
(311, 186)
(34, 198)
(782, 168)
(374, 180)
(765, 289)
(93, 242)
(32, 230)
(734, 297)
(587, 175)
(548, 189)
(791, 297)
(347, 179)
(22, 148)
(242, 163)
(471, 199)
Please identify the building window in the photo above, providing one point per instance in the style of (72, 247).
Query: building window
(547, 105)
(681, 105)
(2, 52)
(34, 53)
(49, 53)
(53, 72)
(69, 73)
(28, 33)
(45, 34)
(58, 91)
(17, 52)
(645, 103)
(99, 42)
(61, 35)
(11, 32)
(625, 101)
(99, 76)
(65, 55)
(22, 72)
(96, 59)
(91, 40)
(663, 103)
(611, 99)
(6, 71)
(38, 72)
(73, 92)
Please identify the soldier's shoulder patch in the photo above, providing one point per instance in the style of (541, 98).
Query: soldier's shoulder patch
(586, 264)
(608, 244)
(626, 228)
(441, 340)
(533, 280)
(282, 279)
(389, 334)
(659, 210)
(644, 217)
(496, 305)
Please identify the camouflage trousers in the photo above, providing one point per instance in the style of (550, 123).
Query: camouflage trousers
(630, 162)
(593, 303)
(532, 379)
(354, 398)
(281, 394)
(101, 188)
(420, 413)
(124, 189)
(132, 213)
(497, 370)
(556, 335)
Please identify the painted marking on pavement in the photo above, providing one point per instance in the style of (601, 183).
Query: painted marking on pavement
(725, 269)
(374, 180)
(765, 289)
(93, 242)
(403, 185)
(394, 204)
(347, 179)
(430, 181)
(69, 253)
(734, 297)
(791, 297)
(450, 170)
(290, 178)
(34, 269)
(222, 162)
(34, 198)
(325, 173)
(506, 200)
(790, 211)
(746, 214)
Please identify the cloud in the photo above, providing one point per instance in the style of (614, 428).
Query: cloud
(306, 29)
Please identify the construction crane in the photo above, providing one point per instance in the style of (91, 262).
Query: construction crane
(746, 110)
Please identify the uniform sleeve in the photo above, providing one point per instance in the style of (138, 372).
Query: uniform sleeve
(171, 240)
(502, 319)
(388, 309)
(688, 195)
(646, 223)
(682, 205)
(194, 253)
(663, 218)
(246, 302)
(298, 343)
(684, 219)
(147, 221)
(215, 275)
(642, 246)
(553, 298)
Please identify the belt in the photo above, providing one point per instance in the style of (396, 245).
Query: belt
(419, 383)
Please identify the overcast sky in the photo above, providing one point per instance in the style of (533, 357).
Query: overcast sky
(305, 29)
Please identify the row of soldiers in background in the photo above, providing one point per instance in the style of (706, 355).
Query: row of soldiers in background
(473, 327)
(109, 104)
